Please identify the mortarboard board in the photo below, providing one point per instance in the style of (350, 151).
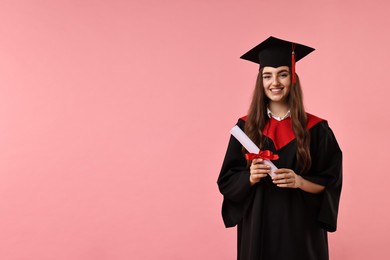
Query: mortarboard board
(274, 52)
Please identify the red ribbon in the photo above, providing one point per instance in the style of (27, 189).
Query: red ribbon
(294, 77)
(265, 155)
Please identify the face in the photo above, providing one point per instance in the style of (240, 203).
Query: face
(277, 83)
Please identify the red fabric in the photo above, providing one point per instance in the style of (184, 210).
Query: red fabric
(312, 120)
(281, 132)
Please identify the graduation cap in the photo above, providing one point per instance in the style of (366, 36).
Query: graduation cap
(274, 52)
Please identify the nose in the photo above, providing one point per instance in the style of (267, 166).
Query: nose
(275, 81)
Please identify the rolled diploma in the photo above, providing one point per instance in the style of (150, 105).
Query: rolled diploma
(250, 146)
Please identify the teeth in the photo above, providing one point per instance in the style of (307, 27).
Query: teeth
(276, 90)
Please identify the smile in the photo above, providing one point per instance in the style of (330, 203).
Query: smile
(276, 90)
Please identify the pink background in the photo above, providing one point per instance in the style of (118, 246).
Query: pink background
(114, 120)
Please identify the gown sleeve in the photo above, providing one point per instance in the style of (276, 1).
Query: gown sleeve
(327, 171)
(233, 183)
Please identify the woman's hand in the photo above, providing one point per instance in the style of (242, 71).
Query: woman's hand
(258, 170)
(287, 178)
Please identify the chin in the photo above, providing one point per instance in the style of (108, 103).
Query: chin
(277, 99)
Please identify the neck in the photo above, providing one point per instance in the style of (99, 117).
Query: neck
(279, 109)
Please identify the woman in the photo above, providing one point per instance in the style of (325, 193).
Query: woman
(286, 216)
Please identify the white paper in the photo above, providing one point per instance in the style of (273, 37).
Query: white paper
(250, 146)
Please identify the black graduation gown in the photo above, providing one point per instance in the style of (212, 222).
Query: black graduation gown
(283, 223)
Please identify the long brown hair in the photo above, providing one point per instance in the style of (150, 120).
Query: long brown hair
(257, 119)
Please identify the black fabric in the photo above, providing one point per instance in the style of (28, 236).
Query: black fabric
(275, 52)
(283, 223)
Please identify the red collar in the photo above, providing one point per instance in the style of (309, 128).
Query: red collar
(281, 132)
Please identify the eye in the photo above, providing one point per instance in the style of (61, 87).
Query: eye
(284, 75)
(266, 76)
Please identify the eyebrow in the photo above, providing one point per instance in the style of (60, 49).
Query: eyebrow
(282, 71)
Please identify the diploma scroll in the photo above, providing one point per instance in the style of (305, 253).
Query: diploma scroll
(250, 146)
